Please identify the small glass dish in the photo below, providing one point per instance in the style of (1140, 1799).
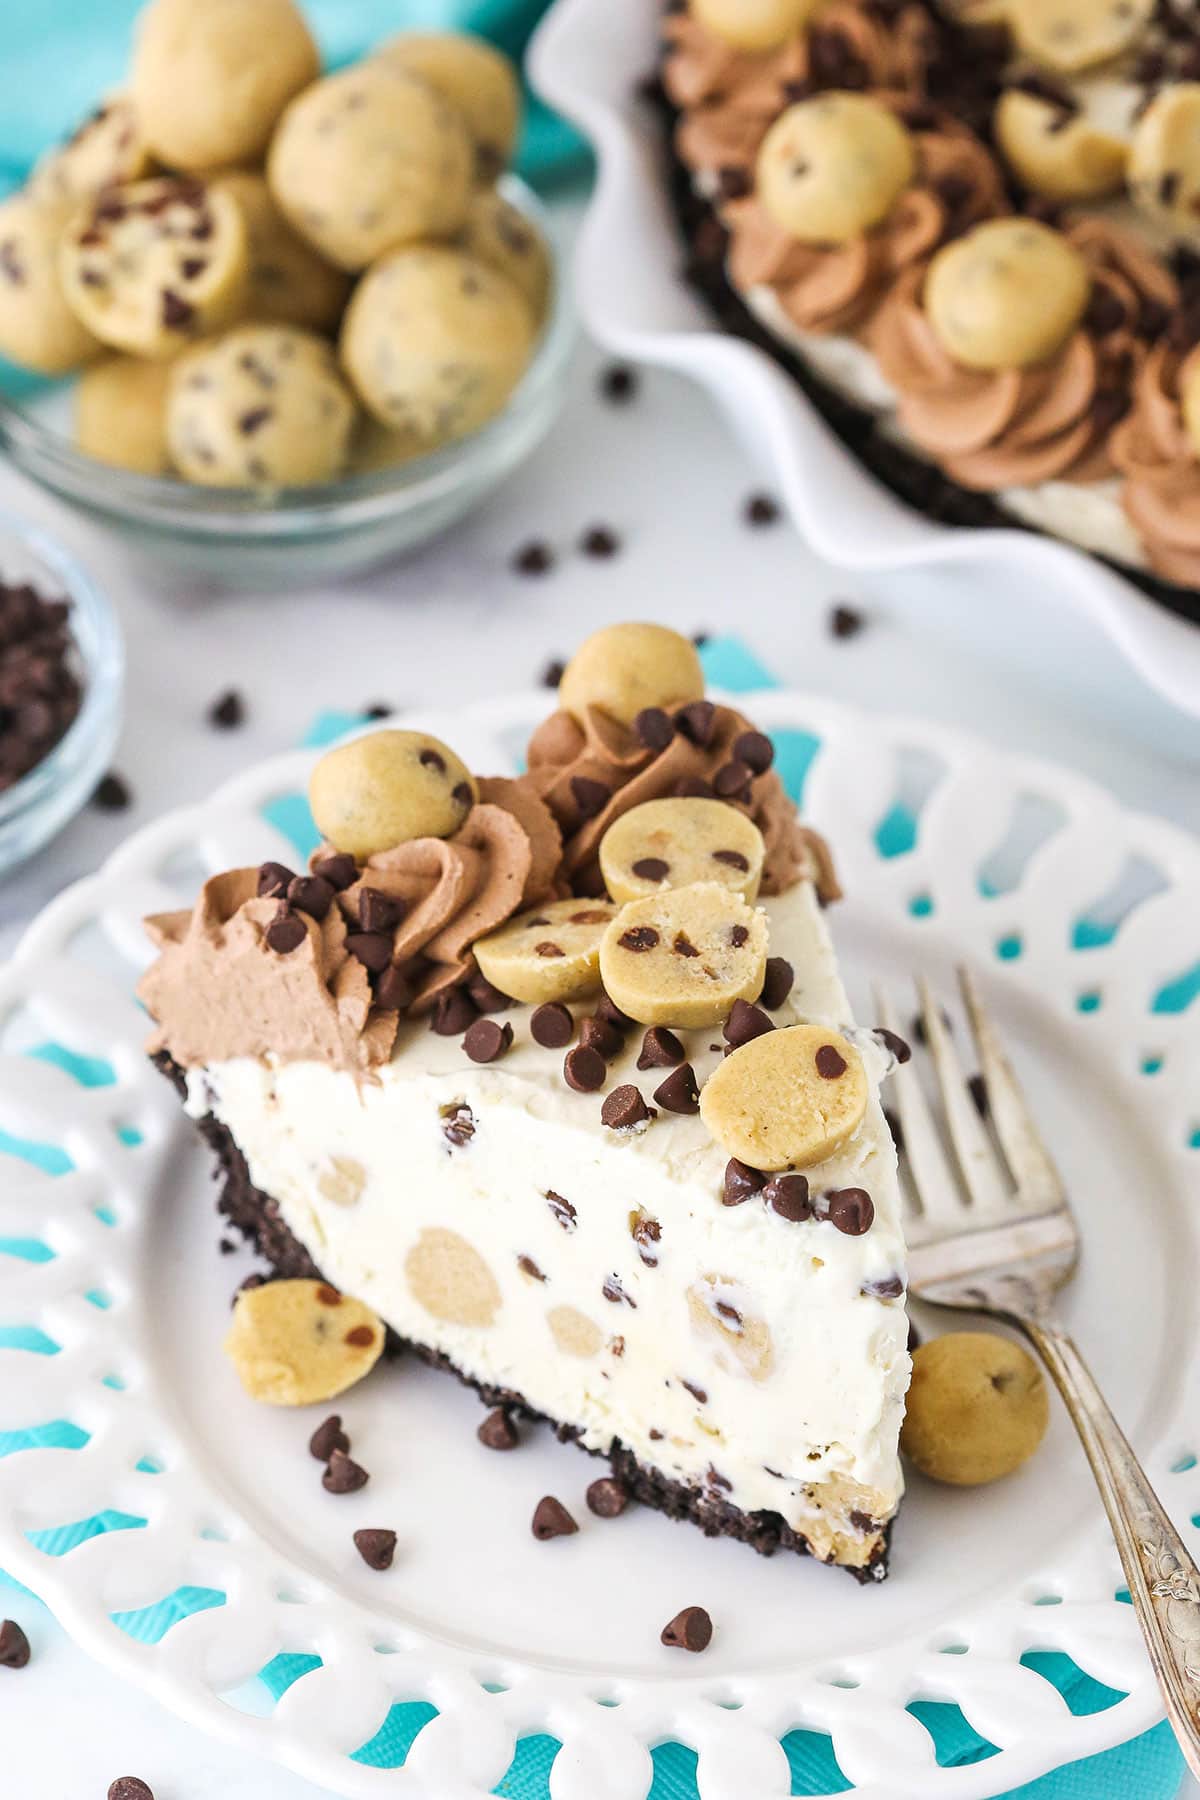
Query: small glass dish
(281, 537)
(36, 807)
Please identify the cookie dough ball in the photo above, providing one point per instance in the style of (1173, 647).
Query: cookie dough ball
(379, 791)
(1070, 35)
(1189, 397)
(368, 159)
(476, 79)
(1007, 295)
(623, 669)
(787, 1099)
(296, 1342)
(108, 150)
(1060, 156)
(754, 24)
(38, 329)
(675, 842)
(210, 79)
(499, 234)
(977, 1408)
(683, 956)
(288, 283)
(435, 341)
(1164, 157)
(833, 166)
(265, 405)
(121, 414)
(151, 267)
(374, 448)
(550, 953)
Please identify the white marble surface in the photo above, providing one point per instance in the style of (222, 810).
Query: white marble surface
(663, 473)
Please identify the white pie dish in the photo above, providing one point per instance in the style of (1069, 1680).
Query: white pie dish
(502, 1635)
(588, 60)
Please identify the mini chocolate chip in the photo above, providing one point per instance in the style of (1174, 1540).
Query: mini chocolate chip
(562, 1209)
(227, 712)
(760, 509)
(638, 938)
(624, 1108)
(693, 787)
(607, 1497)
(690, 1629)
(378, 709)
(830, 1062)
(741, 1182)
(393, 990)
(462, 795)
(732, 780)
(979, 1094)
(373, 949)
(660, 1049)
(756, 750)
(778, 979)
(376, 1547)
(432, 759)
(310, 894)
(129, 1787)
(255, 419)
(744, 1023)
(378, 911)
(112, 793)
(177, 313)
(683, 945)
(845, 621)
(340, 871)
(14, 1645)
(608, 1009)
(851, 1210)
(458, 1124)
(699, 1394)
(892, 1041)
(888, 1287)
(551, 1519)
(535, 558)
(329, 1437)
(651, 868)
(738, 935)
(548, 948)
(788, 1196)
(679, 1093)
(274, 880)
(584, 1069)
(599, 1035)
(732, 859)
(553, 672)
(453, 1011)
(552, 1025)
(697, 721)
(485, 995)
(591, 797)
(343, 1476)
(653, 728)
(286, 933)
(497, 1432)
(600, 541)
(486, 1041)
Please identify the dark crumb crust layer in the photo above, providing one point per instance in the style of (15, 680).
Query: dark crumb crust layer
(256, 1215)
(921, 484)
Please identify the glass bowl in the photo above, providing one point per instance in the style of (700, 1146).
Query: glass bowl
(54, 790)
(280, 537)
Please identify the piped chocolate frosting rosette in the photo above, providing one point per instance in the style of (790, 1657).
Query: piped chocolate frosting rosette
(846, 198)
(1012, 354)
(1157, 449)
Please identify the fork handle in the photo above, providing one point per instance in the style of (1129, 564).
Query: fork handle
(1163, 1580)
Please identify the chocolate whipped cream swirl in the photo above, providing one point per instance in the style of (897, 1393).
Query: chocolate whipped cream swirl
(1152, 449)
(591, 773)
(837, 287)
(1002, 428)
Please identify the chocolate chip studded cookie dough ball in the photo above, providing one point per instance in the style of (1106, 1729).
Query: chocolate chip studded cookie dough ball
(288, 283)
(500, 235)
(38, 329)
(1189, 397)
(211, 79)
(1060, 156)
(151, 267)
(1164, 158)
(296, 1342)
(788, 1099)
(977, 1408)
(476, 79)
(368, 159)
(121, 414)
(673, 843)
(1007, 295)
(435, 341)
(265, 405)
(754, 24)
(108, 150)
(684, 955)
(390, 787)
(624, 669)
(550, 953)
(833, 166)
(1070, 35)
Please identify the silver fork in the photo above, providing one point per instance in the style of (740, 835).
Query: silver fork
(992, 1230)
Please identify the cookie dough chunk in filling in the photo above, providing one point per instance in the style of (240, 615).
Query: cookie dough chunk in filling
(435, 341)
(151, 267)
(263, 406)
(37, 326)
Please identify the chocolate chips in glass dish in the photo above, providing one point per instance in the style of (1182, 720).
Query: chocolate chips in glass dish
(40, 691)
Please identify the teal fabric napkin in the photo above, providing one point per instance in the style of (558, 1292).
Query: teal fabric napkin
(1147, 1768)
(58, 56)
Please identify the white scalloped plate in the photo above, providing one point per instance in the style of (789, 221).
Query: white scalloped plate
(1011, 863)
(588, 60)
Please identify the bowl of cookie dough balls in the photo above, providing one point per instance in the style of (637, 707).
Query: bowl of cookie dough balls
(274, 324)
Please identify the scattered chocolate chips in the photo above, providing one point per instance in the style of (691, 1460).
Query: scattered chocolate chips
(551, 1025)
(274, 880)
(830, 1062)
(755, 749)
(732, 781)
(697, 721)
(339, 870)
(887, 1287)
(458, 1124)
(618, 384)
(600, 541)
(979, 1094)
(378, 709)
(845, 621)
(607, 1498)
(129, 1787)
(497, 1431)
(788, 1196)
(329, 1437)
(679, 1093)
(584, 1069)
(760, 509)
(14, 1645)
(453, 1010)
(535, 558)
(486, 1041)
(562, 1209)
(373, 949)
(608, 1009)
(393, 990)
(850, 1209)
(660, 1049)
(741, 1182)
(551, 1519)
(591, 797)
(638, 938)
(553, 672)
(624, 1108)
(112, 793)
(343, 1476)
(598, 1034)
(485, 996)
(378, 911)
(651, 868)
(744, 1023)
(227, 712)
(894, 1043)
(286, 933)
(653, 728)
(690, 1629)
(310, 894)
(778, 979)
